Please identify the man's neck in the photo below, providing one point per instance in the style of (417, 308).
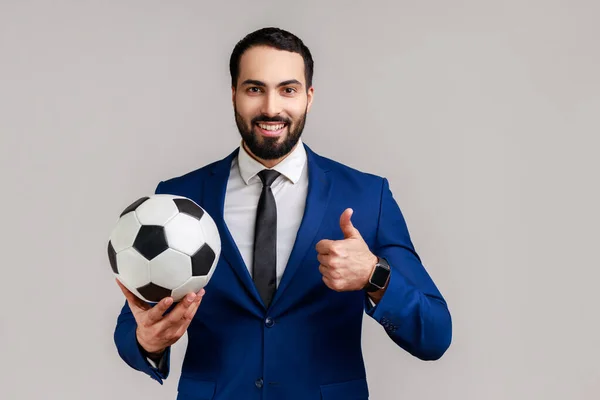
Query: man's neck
(269, 163)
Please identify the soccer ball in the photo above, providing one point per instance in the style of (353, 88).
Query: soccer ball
(164, 245)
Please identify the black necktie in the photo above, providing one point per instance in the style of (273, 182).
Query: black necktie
(265, 239)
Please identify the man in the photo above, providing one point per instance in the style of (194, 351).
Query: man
(308, 246)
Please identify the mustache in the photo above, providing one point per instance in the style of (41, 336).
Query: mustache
(264, 118)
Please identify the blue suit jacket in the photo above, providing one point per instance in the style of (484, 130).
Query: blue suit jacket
(307, 344)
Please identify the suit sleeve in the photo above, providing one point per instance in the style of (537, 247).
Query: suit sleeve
(129, 349)
(412, 309)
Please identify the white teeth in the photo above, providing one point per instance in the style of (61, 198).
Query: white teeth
(271, 127)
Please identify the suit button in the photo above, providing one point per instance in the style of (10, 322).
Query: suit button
(269, 322)
(259, 383)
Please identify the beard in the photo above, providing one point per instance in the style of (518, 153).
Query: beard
(270, 148)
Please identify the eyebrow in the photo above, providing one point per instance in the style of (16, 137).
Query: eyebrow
(262, 84)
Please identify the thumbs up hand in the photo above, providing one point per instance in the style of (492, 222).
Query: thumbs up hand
(347, 264)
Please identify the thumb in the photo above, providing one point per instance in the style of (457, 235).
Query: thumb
(348, 229)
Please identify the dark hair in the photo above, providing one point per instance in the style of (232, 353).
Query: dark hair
(276, 38)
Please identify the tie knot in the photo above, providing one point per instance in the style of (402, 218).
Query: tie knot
(268, 176)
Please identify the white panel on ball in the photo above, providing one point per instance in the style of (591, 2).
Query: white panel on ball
(157, 210)
(133, 268)
(184, 233)
(194, 284)
(211, 233)
(212, 269)
(124, 233)
(170, 269)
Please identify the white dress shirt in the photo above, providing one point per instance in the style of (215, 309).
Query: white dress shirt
(241, 202)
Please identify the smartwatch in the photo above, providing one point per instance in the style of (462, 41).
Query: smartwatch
(379, 276)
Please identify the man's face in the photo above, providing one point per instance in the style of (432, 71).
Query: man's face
(271, 101)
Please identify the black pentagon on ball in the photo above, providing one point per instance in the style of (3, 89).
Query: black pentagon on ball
(112, 257)
(153, 292)
(134, 205)
(151, 241)
(202, 260)
(187, 206)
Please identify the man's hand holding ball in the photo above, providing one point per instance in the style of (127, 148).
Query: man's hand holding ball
(155, 331)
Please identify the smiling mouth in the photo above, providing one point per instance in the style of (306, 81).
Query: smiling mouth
(271, 126)
(271, 129)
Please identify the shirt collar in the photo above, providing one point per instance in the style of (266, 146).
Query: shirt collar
(291, 167)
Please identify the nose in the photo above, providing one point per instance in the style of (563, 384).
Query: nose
(271, 106)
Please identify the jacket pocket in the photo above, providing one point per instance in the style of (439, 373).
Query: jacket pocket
(191, 389)
(350, 390)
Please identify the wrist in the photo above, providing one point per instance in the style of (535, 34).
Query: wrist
(156, 354)
(152, 352)
(149, 351)
(153, 355)
(372, 265)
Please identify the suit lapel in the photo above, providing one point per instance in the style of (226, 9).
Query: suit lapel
(214, 201)
(317, 199)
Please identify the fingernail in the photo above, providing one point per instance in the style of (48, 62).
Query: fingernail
(168, 301)
(191, 297)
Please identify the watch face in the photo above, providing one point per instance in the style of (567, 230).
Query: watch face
(380, 276)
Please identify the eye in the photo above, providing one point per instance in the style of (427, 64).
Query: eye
(254, 89)
(290, 90)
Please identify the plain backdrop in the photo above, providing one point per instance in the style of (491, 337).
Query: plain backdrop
(484, 116)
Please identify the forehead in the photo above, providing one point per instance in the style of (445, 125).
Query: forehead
(271, 65)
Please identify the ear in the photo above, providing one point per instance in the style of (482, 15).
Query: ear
(233, 95)
(310, 95)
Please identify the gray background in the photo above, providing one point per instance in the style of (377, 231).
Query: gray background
(483, 115)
